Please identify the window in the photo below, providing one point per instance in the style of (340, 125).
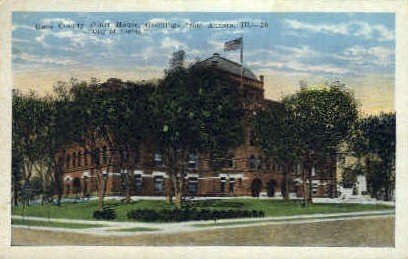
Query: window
(230, 160)
(192, 161)
(79, 159)
(222, 184)
(85, 185)
(251, 162)
(158, 184)
(192, 185)
(231, 184)
(258, 163)
(67, 186)
(68, 161)
(95, 157)
(252, 140)
(74, 157)
(138, 182)
(125, 155)
(104, 155)
(268, 164)
(136, 156)
(157, 159)
(124, 180)
(85, 158)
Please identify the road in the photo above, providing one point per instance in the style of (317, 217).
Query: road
(364, 231)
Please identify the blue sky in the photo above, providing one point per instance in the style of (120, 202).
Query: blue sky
(358, 48)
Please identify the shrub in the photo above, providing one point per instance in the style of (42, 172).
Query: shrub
(104, 213)
(167, 215)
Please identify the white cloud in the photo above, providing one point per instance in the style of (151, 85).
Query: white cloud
(216, 44)
(300, 67)
(21, 40)
(355, 28)
(170, 43)
(321, 28)
(359, 55)
(44, 59)
(20, 26)
(56, 20)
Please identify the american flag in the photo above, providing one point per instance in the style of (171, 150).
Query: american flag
(233, 44)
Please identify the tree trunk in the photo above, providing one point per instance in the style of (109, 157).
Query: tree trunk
(177, 200)
(310, 190)
(127, 188)
(58, 180)
(305, 189)
(286, 168)
(101, 191)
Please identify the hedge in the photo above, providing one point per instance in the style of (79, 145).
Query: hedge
(166, 215)
(104, 213)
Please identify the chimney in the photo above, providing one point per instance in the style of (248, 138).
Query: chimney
(262, 78)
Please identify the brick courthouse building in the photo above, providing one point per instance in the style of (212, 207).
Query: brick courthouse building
(247, 171)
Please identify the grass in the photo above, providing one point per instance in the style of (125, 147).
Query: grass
(136, 229)
(270, 207)
(35, 223)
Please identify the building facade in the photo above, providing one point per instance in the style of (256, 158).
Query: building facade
(144, 173)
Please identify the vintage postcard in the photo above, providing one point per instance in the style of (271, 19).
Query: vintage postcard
(214, 128)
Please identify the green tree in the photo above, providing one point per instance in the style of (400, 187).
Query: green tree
(130, 123)
(31, 129)
(92, 111)
(195, 111)
(325, 117)
(277, 134)
(374, 145)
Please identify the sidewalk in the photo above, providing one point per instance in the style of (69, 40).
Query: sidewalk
(118, 228)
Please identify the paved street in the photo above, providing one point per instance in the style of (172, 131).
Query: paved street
(343, 229)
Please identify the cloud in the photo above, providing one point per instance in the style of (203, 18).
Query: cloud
(216, 44)
(378, 55)
(21, 26)
(56, 20)
(354, 28)
(170, 43)
(321, 28)
(43, 59)
(296, 66)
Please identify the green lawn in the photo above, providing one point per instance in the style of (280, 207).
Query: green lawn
(36, 223)
(270, 207)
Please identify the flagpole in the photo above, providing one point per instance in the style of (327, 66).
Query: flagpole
(242, 59)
